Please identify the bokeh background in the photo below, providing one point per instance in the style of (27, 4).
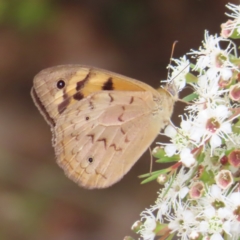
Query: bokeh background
(131, 37)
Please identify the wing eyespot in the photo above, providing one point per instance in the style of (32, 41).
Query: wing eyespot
(87, 118)
(90, 159)
(60, 84)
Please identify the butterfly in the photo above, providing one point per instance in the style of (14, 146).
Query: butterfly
(101, 122)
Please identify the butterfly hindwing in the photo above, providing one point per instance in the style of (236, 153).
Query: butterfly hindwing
(96, 148)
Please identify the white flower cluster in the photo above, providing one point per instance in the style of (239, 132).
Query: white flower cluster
(201, 194)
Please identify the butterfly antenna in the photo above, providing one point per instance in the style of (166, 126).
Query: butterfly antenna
(173, 48)
(181, 70)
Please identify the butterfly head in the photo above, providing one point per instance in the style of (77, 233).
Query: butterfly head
(172, 89)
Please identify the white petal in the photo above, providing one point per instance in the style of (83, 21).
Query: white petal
(235, 227)
(222, 111)
(183, 192)
(186, 125)
(224, 213)
(215, 141)
(226, 74)
(216, 191)
(173, 225)
(170, 131)
(203, 226)
(235, 198)
(196, 133)
(170, 150)
(227, 227)
(187, 158)
(212, 73)
(210, 212)
(226, 127)
(188, 216)
(216, 236)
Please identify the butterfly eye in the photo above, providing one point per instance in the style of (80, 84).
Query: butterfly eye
(60, 84)
(90, 160)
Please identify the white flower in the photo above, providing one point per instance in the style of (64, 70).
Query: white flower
(235, 199)
(178, 74)
(235, 230)
(171, 132)
(208, 91)
(182, 220)
(176, 187)
(187, 158)
(162, 207)
(214, 126)
(208, 164)
(213, 60)
(149, 225)
(180, 137)
(205, 143)
(235, 15)
(216, 211)
(170, 150)
(236, 11)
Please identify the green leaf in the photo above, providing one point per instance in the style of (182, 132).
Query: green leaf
(150, 179)
(155, 172)
(190, 78)
(153, 175)
(234, 60)
(207, 177)
(192, 65)
(159, 152)
(200, 157)
(174, 158)
(236, 127)
(235, 33)
(190, 97)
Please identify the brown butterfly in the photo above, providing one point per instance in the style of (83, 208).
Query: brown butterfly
(102, 122)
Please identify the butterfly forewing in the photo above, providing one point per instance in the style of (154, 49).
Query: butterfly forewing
(102, 122)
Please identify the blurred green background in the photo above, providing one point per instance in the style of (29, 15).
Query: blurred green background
(133, 38)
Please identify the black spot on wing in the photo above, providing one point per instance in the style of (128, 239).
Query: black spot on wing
(82, 82)
(78, 96)
(63, 105)
(131, 100)
(91, 136)
(104, 140)
(117, 149)
(111, 97)
(108, 85)
(90, 160)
